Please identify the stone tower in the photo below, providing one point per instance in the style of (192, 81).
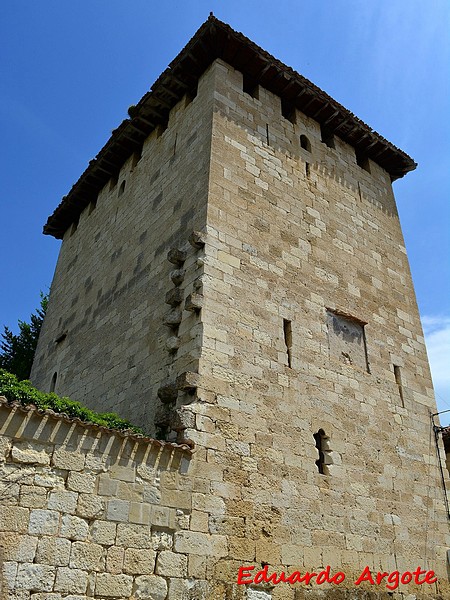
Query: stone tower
(233, 272)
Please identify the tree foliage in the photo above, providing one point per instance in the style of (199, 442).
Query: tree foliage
(17, 351)
(23, 392)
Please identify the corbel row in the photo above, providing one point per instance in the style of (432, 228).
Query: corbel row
(170, 419)
(174, 297)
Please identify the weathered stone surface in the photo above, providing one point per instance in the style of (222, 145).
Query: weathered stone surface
(170, 564)
(176, 256)
(253, 594)
(168, 392)
(35, 578)
(173, 318)
(197, 239)
(173, 343)
(66, 459)
(90, 506)
(112, 586)
(30, 452)
(118, 510)
(5, 448)
(114, 560)
(193, 302)
(87, 556)
(161, 540)
(17, 547)
(174, 296)
(81, 482)
(49, 478)
(32, 496)
(62, 501)
(123, 473)
(53, 551)
(44, 522)
(71, 580)
(74, 528)
(139, 562)
(187, 381)
(177, 276)
(133, 536)
(103, 532)
(194, 542)
(150, 587)
(13, 518)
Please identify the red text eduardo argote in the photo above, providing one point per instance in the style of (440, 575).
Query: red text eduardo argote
(390, 580)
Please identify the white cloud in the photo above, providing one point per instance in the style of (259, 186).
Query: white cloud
(437, 338)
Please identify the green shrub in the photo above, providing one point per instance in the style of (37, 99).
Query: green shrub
(25, 393)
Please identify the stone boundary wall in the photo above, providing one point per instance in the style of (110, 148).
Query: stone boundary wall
(87, 512)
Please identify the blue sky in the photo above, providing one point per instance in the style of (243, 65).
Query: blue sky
(70, 71)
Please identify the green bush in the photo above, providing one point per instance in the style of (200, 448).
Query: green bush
(25, 393)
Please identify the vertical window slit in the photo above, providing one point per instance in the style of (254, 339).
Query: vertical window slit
(398, 381)
(287, 329)
(267, 134)
(53, 382)
(307, 170)
(320, 462)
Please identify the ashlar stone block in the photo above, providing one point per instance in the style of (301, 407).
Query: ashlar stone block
(81, 482)
(53, 551)
(74, 528)
(65, 459)
(170, 564)
(104, 532)
(13, 518)
(17, 547)
(90, 506)
(139, 562)
(118, 510)
(193, 542)
(62, 501)
(71, 580)
(87, 556)
(113, 586)
(133, 536)
(150, 587)
(43, 522)
(35, 578)
(30, 453)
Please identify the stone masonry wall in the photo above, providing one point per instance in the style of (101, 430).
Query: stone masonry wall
(294, 236)
(306, 386)
(90, 513)
(121, 350)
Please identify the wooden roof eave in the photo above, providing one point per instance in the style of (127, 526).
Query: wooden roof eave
(214, 40)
